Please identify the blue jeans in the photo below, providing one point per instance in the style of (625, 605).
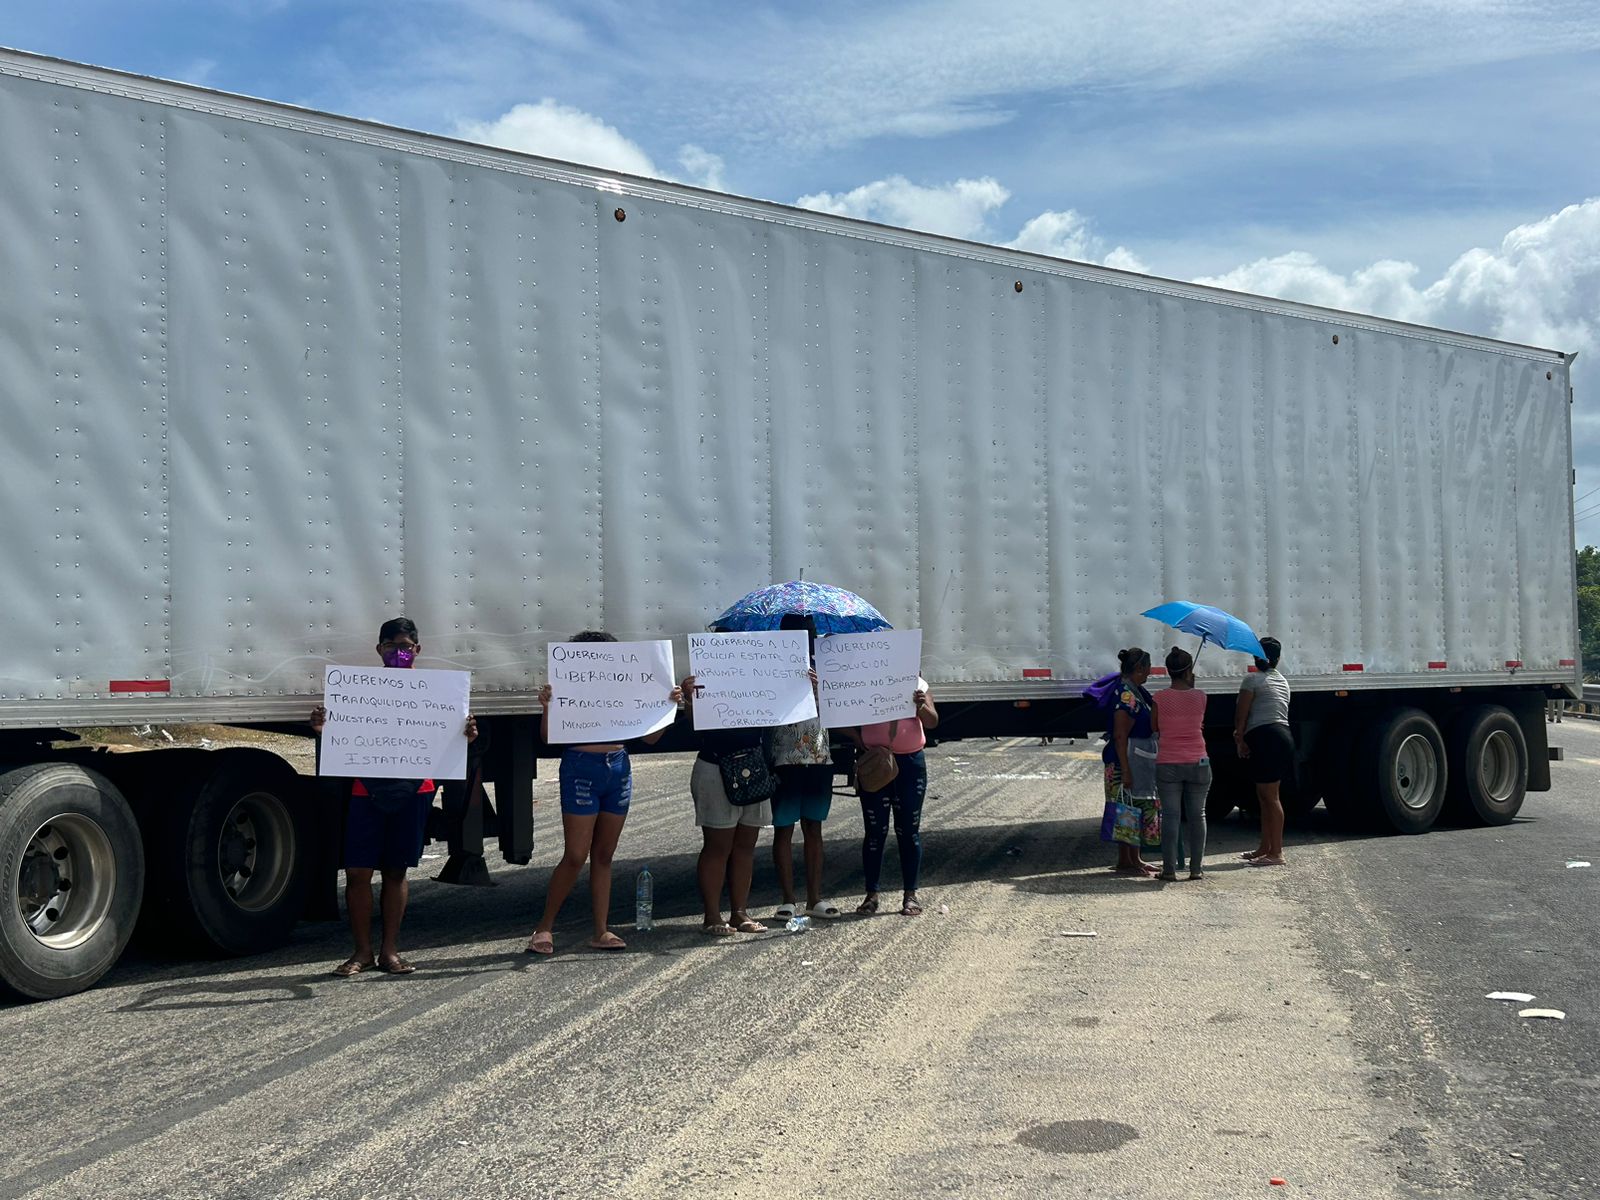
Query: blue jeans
(902, 798)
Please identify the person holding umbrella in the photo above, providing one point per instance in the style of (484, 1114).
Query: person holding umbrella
(730, 830)
(800, 753)
(1261, 736)
(1183, 767)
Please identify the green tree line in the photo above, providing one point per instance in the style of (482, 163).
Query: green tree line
(1589, 609)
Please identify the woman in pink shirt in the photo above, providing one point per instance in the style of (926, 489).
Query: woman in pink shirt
(902, 800)
(1183, 768)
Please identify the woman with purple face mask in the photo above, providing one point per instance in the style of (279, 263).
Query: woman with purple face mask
(385, 830)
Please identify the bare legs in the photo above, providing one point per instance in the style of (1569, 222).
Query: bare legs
(728, 855)
(783, 860)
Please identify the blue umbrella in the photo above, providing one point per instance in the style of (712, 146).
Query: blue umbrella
(832, 609)
(1209, 625)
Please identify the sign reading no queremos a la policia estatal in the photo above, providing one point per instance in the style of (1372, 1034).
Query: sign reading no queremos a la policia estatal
(751, 680)
(394, 723)
(609, 691)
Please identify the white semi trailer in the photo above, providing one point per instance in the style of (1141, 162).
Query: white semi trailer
(269, 376)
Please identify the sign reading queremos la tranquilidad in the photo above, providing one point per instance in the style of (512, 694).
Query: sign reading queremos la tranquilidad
(394, 723)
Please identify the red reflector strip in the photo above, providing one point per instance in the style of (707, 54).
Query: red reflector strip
(1438, 666)
(1569, 662)
(1036, 672)
(1513, 663)
(1354, 667)
(141, 685)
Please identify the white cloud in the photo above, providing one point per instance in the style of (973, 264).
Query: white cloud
(959, 209)
(1540, 286)
(555, 130)
(559, 131)
(1066, 234)
(702, 168)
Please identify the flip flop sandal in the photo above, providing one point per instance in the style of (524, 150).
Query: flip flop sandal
(911, 908)
(352, 966)
(824, 911)
(750, 926)
(868, 907)
(395, 966)
(723, 930)
(610, 942)
(784, 911)
(540, 943)
(1267, 862)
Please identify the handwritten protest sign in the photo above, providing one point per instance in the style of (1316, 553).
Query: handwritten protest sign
(394, 723)
(609, 691)
(751, 680)
(864, 678)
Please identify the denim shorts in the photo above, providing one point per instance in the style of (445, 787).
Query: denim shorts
(594, 783)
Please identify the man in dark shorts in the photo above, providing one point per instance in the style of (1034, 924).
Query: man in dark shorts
(385, 831)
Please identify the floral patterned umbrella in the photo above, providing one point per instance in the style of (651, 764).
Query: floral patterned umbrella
(832, 609)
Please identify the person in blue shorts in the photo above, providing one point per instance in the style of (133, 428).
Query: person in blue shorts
(385, 830)
(596, 790)
(800, 753)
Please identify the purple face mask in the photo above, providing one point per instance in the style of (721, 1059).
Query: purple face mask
(399, 656)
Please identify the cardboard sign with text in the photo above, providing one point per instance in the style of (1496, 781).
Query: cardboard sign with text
(751, 680)
(865, 678)
(609, 691)
(394, 723)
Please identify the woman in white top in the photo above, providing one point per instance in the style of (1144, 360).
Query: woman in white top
(1261, 736)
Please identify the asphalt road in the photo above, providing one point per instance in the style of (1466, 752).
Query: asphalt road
(1323, 1024)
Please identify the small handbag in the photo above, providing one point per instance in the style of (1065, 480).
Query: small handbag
(876, 766)
(747, 776)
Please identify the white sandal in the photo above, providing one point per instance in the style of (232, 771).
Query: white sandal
(826, 911)
(785, 911)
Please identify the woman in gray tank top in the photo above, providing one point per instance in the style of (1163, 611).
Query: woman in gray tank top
(1262, 737)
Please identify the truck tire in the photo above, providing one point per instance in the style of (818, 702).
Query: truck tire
(233, 866)
(73, 873)
(1402, 771)
(1488, 766)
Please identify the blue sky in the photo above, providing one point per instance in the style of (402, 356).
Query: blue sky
(1434, 161)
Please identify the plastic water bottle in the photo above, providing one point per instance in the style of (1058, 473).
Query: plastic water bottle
(798, 923)
(644, 902)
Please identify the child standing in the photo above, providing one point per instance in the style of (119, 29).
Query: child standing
(386, 828)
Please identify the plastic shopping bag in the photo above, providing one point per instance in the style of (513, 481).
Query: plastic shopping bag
(1129, 826)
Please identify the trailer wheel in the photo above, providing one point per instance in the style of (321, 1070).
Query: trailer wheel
(73, 875)
(234, 866)
(1403, 768)
(1488, 765)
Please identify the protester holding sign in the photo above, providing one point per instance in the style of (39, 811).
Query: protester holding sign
(732, 785)
(596, 791)
(901, 797)
(799, 751)
(385, 830)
